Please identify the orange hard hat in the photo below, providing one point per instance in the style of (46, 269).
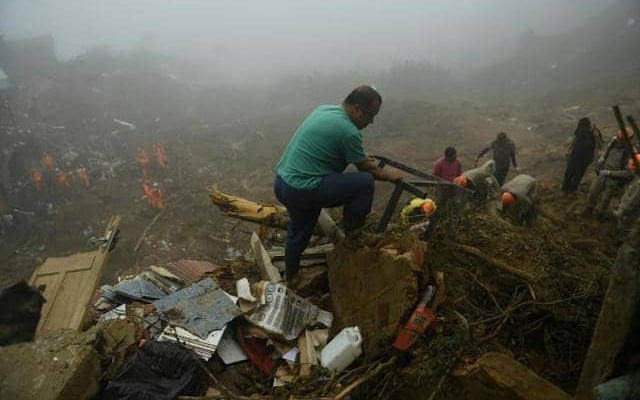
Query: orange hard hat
(631, 165)
(461, 181)
(428, 207)
(507, 199)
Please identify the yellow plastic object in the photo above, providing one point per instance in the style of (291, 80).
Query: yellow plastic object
(417, 204)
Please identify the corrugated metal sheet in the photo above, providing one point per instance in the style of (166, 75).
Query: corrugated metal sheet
(190, 271)
(199, 308)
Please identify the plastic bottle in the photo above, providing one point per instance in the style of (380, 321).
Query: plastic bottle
(421, 318)
(342, 350)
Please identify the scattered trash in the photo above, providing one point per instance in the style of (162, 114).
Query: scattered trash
(243, 290)
(342, 350)
(232, 253)
(229, 350)
(205, 348)
(158, 370)
(283, 313)
(269, 272)
(125, 123)
(139, 288)
(119, 312)
(258, 353)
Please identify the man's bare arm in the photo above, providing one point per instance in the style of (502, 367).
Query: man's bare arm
(388, 174)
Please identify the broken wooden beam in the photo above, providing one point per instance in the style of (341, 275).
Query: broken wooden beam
(268, 214)
(500, 377)
(237, 207)
(501, 265)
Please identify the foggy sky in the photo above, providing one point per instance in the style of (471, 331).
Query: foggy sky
(261, 37)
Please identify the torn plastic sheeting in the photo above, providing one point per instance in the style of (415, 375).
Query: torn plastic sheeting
(284, 313)
(291, 355)
(200, 308)
(190, 271)
(158, 371)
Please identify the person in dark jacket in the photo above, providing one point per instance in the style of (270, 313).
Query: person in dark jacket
(587, 139)
(504, 154)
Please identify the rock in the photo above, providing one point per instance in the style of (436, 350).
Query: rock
(61, 365)
(500, 377)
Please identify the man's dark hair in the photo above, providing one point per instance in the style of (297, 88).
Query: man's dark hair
(450, 152)
(363, 96)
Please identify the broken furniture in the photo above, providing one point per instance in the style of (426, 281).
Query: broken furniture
(69, 283)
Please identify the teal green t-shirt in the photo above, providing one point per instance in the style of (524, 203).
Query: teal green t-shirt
(325, 143)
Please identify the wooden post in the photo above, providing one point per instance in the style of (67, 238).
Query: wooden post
(616, 321)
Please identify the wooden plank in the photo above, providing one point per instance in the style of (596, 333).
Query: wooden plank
(269, 272)
(305, 362)
(500, 377)
(68, 285)
(63, 282)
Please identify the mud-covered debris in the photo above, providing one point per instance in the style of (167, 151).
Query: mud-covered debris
(498, 376)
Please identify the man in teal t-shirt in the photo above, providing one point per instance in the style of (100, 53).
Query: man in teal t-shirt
(309, 174)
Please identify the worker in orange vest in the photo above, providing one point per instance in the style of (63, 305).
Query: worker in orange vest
(83, 176)
(62, 179)
(143, 160)
(37, 179)
(154, 196)
(158, 154)
(519, 197)
(158, 199)
(48, 163)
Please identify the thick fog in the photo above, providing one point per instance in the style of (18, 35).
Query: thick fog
(263, 38)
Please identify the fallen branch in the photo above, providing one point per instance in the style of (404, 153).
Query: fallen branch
(146, 230)
(364, 378)
(497, 263)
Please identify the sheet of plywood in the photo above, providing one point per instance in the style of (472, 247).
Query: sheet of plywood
(68, 285)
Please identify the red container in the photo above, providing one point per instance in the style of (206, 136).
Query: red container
(421, 319)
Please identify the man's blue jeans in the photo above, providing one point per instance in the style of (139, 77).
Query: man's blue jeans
(353, 191)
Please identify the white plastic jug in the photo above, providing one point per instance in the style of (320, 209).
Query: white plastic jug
(342, 350)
